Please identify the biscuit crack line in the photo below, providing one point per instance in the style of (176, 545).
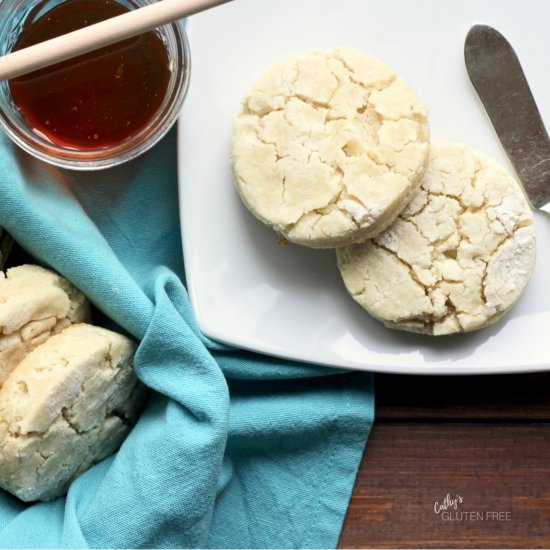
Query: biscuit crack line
(382, 85)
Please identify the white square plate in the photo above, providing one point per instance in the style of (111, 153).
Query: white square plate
(289, 301)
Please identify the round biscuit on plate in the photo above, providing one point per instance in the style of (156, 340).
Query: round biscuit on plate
(67, 405)
(34, 304)
(459, 255)
(329, 147)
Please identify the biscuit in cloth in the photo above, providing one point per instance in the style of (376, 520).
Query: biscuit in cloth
(68, 404)
(34, 304)
(329, 147)
(459, 255)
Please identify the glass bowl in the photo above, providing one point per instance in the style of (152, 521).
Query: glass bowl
(14, 14)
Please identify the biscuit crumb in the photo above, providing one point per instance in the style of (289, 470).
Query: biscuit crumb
(282, 241)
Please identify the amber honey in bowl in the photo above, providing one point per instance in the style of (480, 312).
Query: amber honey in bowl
(100, 108)
(96, 100)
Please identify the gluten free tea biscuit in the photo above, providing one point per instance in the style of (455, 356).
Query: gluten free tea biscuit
(68, 404)
(34, 304)
(329, 147)
(458, 256)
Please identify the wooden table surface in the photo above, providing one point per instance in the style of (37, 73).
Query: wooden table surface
(482, 440)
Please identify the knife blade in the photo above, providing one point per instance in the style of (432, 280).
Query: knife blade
(497, 76)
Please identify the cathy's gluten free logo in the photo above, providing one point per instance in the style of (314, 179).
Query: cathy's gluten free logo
(452, 508)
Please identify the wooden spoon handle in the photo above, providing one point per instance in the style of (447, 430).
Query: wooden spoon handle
(101, 34)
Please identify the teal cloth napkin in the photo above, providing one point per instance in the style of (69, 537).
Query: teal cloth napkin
(234, 449)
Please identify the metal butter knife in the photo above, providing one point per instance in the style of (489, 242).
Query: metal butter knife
(498, 78)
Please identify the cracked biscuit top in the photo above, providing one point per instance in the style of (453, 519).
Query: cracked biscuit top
(459, 255)
(34, 304)
(68, 404)
(329, 147)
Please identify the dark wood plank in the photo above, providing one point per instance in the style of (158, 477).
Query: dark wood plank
(487, 398)
(407, 467)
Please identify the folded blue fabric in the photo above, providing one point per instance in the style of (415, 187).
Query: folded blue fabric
(234, 449)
